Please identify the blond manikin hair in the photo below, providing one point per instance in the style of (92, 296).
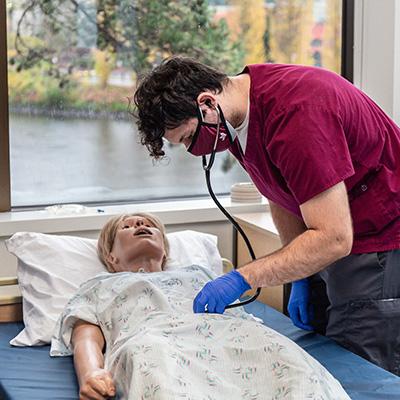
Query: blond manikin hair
(107, 236)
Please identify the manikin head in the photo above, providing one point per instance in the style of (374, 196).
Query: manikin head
(133, 242)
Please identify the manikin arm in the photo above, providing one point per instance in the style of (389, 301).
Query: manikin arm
(88, 344)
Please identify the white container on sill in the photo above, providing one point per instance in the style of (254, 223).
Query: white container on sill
(245, 192)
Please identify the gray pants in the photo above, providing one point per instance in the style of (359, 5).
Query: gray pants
(357, 304)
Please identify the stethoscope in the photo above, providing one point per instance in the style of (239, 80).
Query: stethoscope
(207, 168)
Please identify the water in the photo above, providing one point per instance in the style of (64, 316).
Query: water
(57, 161)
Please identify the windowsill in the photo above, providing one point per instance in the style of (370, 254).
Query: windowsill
(171, 212)
(261, 222)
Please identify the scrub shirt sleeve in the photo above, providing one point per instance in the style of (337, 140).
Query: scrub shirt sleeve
(308, 146)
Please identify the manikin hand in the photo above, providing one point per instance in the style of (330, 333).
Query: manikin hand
(220, 292)
(97, 385)
(299, 306)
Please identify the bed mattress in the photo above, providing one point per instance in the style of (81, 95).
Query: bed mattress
(30, 373)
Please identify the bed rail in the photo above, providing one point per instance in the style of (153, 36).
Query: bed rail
(8, 280)
(10, 305)
(226, 265)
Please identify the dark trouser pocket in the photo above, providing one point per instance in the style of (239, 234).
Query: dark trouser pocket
(372, 330)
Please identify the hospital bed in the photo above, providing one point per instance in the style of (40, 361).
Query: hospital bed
(30, 373)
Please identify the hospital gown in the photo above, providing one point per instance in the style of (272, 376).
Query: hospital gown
(157, 348)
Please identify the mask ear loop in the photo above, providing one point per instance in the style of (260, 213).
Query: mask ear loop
(218, 125)
(208, 166)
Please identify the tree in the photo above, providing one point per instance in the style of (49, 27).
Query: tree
(303, 42)
(331, 44)
(267, 38)
(251, 19)
(291, 31)
(104, 63)
(183, 27)
(140, 33)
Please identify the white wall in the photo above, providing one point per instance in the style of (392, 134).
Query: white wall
(377, 52)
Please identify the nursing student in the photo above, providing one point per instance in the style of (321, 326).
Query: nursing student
(327, 158)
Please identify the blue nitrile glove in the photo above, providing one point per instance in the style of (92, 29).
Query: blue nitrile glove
(220, 292)
(299, 306)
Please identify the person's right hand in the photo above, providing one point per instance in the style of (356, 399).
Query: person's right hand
(97, 385)
(299, 307)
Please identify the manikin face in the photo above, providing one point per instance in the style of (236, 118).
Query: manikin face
(137, 244)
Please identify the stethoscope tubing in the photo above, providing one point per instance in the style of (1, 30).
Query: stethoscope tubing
(207, 168)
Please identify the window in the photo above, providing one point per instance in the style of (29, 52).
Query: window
(72, 65)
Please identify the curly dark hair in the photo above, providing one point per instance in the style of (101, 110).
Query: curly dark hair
(166, 97)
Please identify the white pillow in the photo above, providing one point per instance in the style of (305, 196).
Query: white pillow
(191, 247)
(52, 267)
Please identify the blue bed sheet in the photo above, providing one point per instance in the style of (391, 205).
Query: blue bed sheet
(361, 379)
(30, 373)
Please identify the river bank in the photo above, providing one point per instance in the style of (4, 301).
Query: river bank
(69, 113)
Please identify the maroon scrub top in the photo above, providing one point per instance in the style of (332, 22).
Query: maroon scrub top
(310, 129)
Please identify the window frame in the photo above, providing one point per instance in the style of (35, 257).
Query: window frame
(5, 187)
(347, 65)
(347, 62)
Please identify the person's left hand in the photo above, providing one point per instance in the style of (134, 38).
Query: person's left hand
(299, 307)
(220, 292)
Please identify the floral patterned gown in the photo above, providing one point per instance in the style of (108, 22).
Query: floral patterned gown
(158, 349)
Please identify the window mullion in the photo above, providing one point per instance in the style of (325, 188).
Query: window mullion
(5, 197)
(347, 69)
